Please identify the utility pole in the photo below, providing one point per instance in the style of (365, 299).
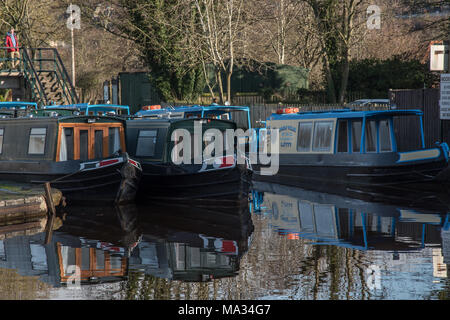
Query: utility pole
(73, 59)
(73, 22)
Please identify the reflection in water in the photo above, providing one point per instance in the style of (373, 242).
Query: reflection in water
(21, 266)
(348, 222)
(133, 246)
(285, 243)
(192, 243)
(347, 242)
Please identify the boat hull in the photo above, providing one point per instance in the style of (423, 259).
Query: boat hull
(369, 172)
(230, 183)
(80, 182)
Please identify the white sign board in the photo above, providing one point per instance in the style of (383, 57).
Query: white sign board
(438, 58)
(445, 97)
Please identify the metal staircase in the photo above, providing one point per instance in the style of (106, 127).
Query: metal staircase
(46, 76)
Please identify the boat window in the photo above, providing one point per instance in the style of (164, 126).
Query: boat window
(98, 144)
(371, 136)
(68, 132)
(2, 251)
(146, 143)
(63, 147)
(408, 133)
(216, 142)
(114, 140)
(306, 214)
(356, 136)
(304, 136)
(84, 144)
(240, 118)
(325, 221)
(1, 140)
(36, 143)
(343, 136)
(100, 259)
(66, 151)
(385, 136)
(323, 131)
(85, 259)
(38, 257)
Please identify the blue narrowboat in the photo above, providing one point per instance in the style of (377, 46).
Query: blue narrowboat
(340, 148)
(16, 109)
(196, 111)
(85, 109)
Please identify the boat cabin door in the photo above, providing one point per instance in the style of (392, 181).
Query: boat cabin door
(89, 141)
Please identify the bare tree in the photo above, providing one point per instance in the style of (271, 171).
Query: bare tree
(335, 24)
(276, 20)
(35, 21)
(220, 37)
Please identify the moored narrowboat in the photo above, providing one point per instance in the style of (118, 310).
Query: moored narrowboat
(10, 109)
(346, 148)
(213, 111)
(84, 109)
(82, 156)
(152, 142)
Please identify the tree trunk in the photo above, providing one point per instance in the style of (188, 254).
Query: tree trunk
(229, 74)
(331, 92)
(219, 81)
(344, 80)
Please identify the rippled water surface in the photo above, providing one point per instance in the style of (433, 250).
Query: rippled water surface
(280, 243)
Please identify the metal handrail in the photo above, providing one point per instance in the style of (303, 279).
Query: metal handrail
(72, 89)
(60, 71)
(33, 66)
(28, 67)
(62, 84)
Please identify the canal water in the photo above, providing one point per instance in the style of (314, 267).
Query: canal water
(279, 244)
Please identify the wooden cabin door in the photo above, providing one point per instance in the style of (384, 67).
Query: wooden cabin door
(91, 141)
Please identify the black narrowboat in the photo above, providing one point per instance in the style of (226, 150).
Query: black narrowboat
(359, 149)
(152, 142)
(82, 156)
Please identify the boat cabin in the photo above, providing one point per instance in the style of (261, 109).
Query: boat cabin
(349, 132)
(150, 140)
(60, 139)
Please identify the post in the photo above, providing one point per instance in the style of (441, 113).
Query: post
(51, 214)
(73, 59)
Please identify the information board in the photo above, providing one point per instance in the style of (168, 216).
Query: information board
(445, 97)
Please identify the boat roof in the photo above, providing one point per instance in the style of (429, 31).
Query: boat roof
(195, 108)
(66, 118)
(86, 107)
(345, 114)
(169, 120)
(17, 104)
